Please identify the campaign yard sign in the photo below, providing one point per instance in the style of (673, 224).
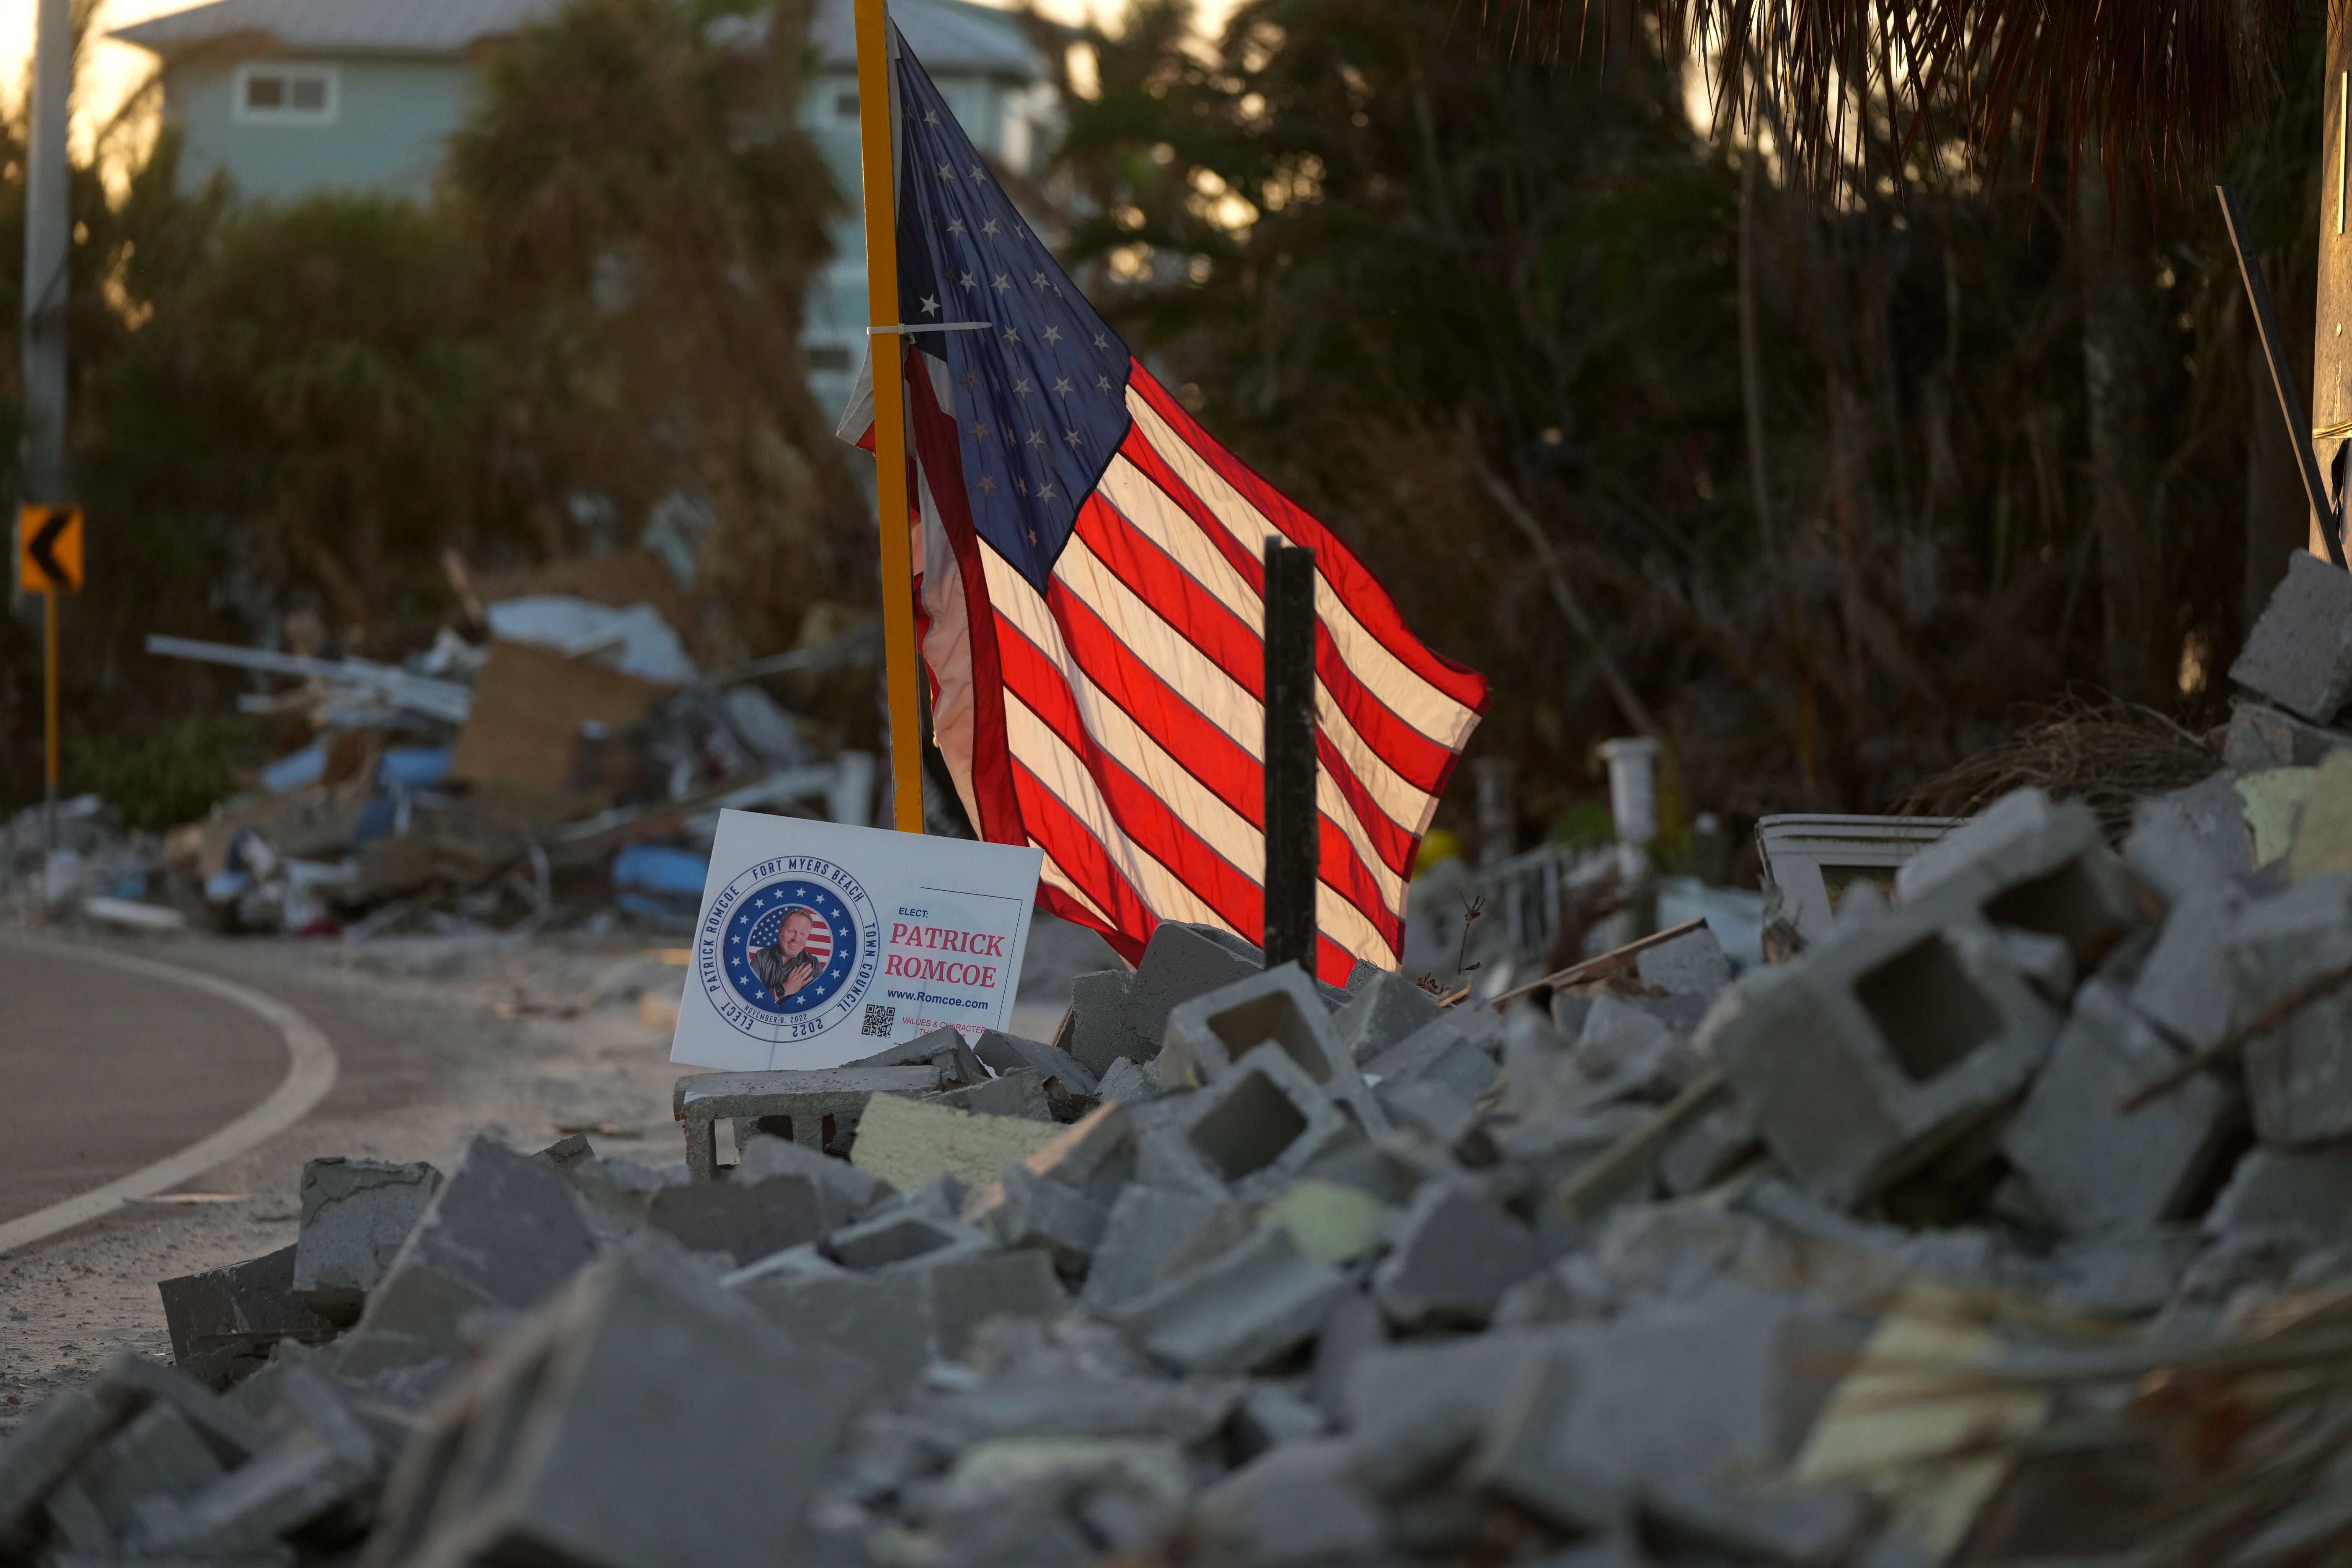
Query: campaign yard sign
(820, 945)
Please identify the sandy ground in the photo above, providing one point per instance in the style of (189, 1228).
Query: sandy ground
(440, 1039)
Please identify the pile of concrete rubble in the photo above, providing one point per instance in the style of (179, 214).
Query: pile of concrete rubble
(1860, 1260)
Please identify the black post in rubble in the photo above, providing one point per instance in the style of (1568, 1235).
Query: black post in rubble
(1292, 838)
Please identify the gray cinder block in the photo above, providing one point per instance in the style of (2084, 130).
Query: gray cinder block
(2032, 862)
(1094, 1029)
(894, 1237)
(1130, 1081)
(2298, 1075)
(1010, 1054)
(505, 1232)
(849, 1193)
(1238, 1309)
(330, 1459)
(1181, 962)
(223, 1322)
(2299, 654)
(1022, 1093)
(1386, 1009)
(2098, 1170)
(818, 1110)
(1262, 1117)
(63, 1432)
(1436, 1054)
(355, 1215)
(2192, 839)
(1869, 1053)
(2308, 1189)
(943, 1048)
(1278, 1006)
(1709, 1150)
(745, 1220)
(2184, 986)
(159, 1453)
(914, 1313)
(1038, 1212)
(1453, 1254)
(2260, 737)
(1153, 1233)
(609, 1396)
(1692, 964)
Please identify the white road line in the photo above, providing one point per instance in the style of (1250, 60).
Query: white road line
(309, 1073)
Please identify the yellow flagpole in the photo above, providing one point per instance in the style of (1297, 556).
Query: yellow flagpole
(898, 651)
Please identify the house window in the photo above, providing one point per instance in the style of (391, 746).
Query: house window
(845, 105)
(287, 95)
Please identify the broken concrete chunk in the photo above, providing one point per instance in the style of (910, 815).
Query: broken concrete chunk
(1019, 1094)
(1454, 1254)
(849, 1193)
(1436, 1054)
(1869, 1053)
(2099, 1171)
(897, 1236)
(2190, 841)
(69, 1427)
(2298, 1075)
(2308, 1189)
(1129, 1080)
(223, 1322)
(1034, 1212)
(2299, 653)
(504, 1231)
(2184, 987)
(1238, 1309)
(943, 1048)
(2260, 737)
(966, 1290)
(1709, 1150)
(355, 1215)
(1094, 1030)
(1153, 1233)
(745, 1220)
(563, 1154)
(906, 1143)
(1692, 964)
(618, 1385)
(1011, 1053)
(1386, 1009)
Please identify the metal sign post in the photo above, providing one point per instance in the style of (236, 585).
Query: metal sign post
(1292, 828)
(899, 656)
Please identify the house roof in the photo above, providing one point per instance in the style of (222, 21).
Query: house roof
(945, 35)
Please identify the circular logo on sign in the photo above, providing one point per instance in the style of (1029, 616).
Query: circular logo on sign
(787, 949)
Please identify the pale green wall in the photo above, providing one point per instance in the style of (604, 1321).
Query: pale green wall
(389, 133)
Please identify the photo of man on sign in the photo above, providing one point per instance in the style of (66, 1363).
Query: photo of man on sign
(792, 962)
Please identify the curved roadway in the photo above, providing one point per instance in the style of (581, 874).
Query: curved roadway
(103, 1071)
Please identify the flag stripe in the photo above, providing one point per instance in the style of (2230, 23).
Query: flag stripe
(1225, 826)
(1367, 609)
(1216, 761)
(1140, 559)
(1190, 533)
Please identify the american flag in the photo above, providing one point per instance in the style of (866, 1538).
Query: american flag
(1090, 600)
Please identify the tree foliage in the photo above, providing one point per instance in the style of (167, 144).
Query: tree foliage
(1482, 308)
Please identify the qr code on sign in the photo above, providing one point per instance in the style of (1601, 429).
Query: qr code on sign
(880, 1020)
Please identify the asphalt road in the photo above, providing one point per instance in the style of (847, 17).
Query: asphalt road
(102, 1072)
